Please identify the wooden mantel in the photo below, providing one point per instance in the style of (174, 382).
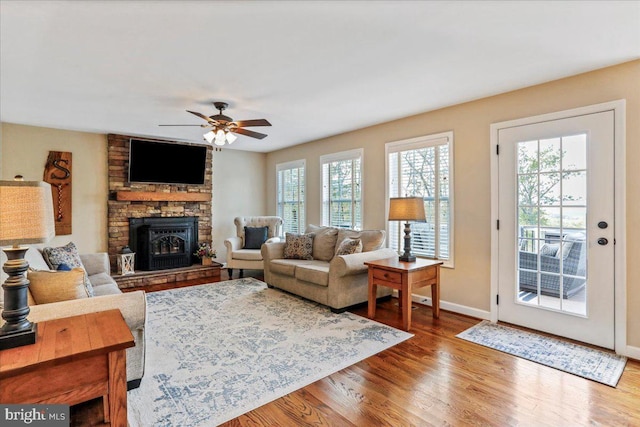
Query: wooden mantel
(139, 196)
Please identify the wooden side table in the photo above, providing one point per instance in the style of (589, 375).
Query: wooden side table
(404, 276)
(74, 359)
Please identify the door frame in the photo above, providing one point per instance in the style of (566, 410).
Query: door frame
(620, 269)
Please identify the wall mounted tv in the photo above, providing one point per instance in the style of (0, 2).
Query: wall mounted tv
(166, 162)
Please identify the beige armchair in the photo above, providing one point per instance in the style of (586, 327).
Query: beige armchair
(250, 259)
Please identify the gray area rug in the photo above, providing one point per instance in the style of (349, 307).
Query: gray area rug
(219, 350)
(593, 364)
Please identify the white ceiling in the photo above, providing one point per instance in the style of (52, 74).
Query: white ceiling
(312, 68)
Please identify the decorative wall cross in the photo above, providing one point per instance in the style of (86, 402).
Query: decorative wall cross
(57, 172)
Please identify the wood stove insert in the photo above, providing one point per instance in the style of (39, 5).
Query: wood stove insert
(163, 243)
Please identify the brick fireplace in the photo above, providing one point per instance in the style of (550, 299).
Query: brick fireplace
(133, 201)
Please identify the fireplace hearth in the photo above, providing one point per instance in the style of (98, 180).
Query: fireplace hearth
(163, 243)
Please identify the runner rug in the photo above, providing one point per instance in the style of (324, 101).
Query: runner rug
(219, 350)
(593, 364)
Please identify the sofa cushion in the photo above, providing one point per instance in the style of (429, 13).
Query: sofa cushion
(53, 286)
(371, 239)
(349, 246)
(67, 254)
(36, 260)
(101, 279)
(324, 242)
(247, 254)
(254, 237)
(317, 273)
(286, 266)
(298, 246)
(106, 289)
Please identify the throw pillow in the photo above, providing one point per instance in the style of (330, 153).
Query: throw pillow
(53, 286)
(254, 237)
(324, 242)
(371, 239)
(67, 254)
(298, 246)
(349, 246)
(549, 249)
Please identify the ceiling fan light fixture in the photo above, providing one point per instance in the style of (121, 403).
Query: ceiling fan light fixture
(209, 136)
(231, 137)
(220, 137)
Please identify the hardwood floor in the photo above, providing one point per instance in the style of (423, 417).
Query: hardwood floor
(435, 378)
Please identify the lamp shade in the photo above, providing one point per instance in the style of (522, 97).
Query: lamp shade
(26, 213)
(406, 209)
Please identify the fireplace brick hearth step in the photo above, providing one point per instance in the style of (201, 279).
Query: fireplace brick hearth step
(148, 278)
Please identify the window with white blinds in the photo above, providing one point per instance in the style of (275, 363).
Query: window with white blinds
(342, 189)
(423, 167)
(290, 191)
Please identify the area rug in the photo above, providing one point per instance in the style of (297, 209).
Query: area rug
(219, 350)
(593, 364)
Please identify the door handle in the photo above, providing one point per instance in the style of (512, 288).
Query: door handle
(603, 241)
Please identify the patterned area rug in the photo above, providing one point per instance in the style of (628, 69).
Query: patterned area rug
(219, 350)
(596, 365)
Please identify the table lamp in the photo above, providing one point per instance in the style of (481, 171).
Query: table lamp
(26, 216)
(407, 209)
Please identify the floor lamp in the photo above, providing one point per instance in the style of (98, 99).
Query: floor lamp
(26, 216)
(407, 209)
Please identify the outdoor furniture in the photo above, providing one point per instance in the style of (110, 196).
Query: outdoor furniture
(572, 251)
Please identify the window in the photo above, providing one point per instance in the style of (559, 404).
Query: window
(290, 189)
(342, 189)
(423, 167)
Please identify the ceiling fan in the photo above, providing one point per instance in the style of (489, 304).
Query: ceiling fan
(223, 127)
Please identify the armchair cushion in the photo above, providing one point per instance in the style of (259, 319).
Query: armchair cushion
(247, 254)
(549, 249)
(254, 237)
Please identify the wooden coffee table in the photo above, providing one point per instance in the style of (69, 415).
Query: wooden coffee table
(404, 276)
(74, 359)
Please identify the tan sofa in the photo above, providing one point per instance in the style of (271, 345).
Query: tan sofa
(132, 305)
(337, 281)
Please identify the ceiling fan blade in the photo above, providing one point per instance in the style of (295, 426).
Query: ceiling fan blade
(250, 133)
(249, 123)
(202, 116)
(183, 125)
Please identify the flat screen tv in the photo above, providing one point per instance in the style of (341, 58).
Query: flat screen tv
(166, 162)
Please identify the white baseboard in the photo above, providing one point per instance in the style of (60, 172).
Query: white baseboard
(450, 306)
(632, 352)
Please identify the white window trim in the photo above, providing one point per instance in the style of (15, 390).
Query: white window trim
(294, 164)
(335, 157)
(419, 142)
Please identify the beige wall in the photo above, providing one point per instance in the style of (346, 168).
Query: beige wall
(238, 190)
(469, 283)
(24, 152)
